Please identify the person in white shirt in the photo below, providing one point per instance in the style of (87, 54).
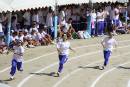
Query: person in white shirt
(100, 21)
(35, 18)
(24, 28)
(3, 44)
(109, 41)
(41, 17)
(69, 29)
(21, 37)
(68, 13)
(27, 18)
(4, 17)
(74, 22)
(121, 27)
(116, 17)
(93, 14)
(13, 27)
(82, 19)
(112, 13)
(40, 37)
(49, 21)
(17, 58)
(13, 39)
(62, 16)
(15, 22)
(78, 16)
(33, 27)
(18, 28)
(63, 52)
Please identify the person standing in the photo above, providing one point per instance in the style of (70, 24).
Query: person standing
(63, 51)
(108, 46)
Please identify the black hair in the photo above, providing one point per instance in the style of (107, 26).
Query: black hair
(70, 18)
(99, 8)
(20, 31)
(41, 28)
(13, 17)
(50, 9)
(112, 4)
(14, 33)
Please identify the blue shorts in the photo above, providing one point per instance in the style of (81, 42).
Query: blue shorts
(116, 23)
(120, 29)
(107, 21)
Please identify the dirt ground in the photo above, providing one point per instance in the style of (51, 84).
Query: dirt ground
(83, 69)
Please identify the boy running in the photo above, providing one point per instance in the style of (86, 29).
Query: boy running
(109, 41)
(17, 58)
(63, 51)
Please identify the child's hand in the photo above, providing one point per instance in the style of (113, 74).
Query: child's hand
(104, 46)
(75, 51)
(115, 50)
(7, 52)
(60, 52)
(15, 53)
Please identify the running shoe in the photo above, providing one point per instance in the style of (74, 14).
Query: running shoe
(58, 74)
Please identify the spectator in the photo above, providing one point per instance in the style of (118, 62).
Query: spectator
(18, 28)
(3, 44)
(62, 16)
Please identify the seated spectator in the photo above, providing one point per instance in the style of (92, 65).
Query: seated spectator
(40, 38)
(69, 29)
(121, 27)
(25, 28)
(3, 44)
(128, 27)
(33, 37)
(47, 36)
(20, 37)
(13, 39)
(18, 28)
(33, 27)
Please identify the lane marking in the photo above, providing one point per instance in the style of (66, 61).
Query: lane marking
(21, 83)
(56, 52)
(128, 84)
(84, 67)
(94, 83)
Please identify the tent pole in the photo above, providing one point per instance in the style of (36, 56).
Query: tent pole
(9, 27)
(126, 19)
(55, 23)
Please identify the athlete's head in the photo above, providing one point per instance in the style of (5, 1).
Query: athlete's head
(111, 35)
(64, 36)
(19, 42)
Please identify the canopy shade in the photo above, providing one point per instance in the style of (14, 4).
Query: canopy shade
(10, 5)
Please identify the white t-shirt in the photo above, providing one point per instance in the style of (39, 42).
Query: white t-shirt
(112, 13)
(15, 22)
(63, 47)
(36, 19)
(21, 38)
(44, 34)
(23, 30)
(39, 36)
(49, 20)
(123, 10)
(27, 16)
(68, 14)
(16, 30)
(82, 12)
(20, 50)
(1, 30)
(78, 11)
(33, 36)
(109, 43)
(94, 17)
(74, 12)
(100, 15)
(30, 30)
(116, 17)
(2, 41)
(62, 13)
(3, 19)
(41, 18)
(13, 39)
(67, 26)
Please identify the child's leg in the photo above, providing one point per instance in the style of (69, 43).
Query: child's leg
(25, 44)
(106, 57)
(13, 68)
(4, 48)
(1, 51)
(62, 59)
(19, 66)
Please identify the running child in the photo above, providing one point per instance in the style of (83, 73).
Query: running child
(63, 51)
(17, 58)
(109, 41)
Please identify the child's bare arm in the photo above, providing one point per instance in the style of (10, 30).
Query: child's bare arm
(9, 50)
(72, 49)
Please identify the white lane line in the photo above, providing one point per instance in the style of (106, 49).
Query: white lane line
(21, 83)
(84, 67)
(128, 84)
(94, 83)
(54, 53)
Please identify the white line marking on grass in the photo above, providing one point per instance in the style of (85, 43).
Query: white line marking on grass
(54, 53)
(84, 67)
(94, 83)
(21, 83)
(128, 84)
